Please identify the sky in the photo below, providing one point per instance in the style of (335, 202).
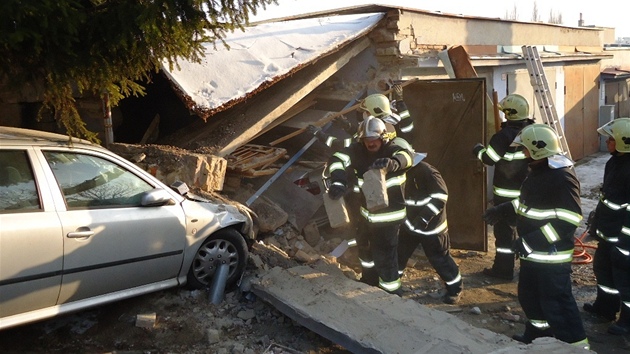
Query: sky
(601, 13)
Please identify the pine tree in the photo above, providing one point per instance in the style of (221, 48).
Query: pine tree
(72, 48)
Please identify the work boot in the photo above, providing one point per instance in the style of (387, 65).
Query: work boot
(452, 299)
(593, 309)
(369, 277)
(532, 333)
(491, 272)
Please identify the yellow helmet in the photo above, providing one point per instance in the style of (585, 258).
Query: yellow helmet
(618, 129)
(540, 140)
(515, 107)
(377, 105)
(373, 127)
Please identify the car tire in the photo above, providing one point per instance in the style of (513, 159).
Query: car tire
(227, 246)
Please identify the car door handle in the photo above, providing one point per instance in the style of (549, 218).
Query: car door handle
(80, 234)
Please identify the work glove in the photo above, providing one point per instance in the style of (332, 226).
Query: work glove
(336, 191)
(520, 249)
(343, 123)
(397, 89)
(497, 213)
(317, 132)
(478, 147)
(389, 164)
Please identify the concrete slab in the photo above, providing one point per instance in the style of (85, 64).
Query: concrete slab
(366, 319)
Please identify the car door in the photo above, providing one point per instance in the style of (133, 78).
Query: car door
(111, 242)
(31, 243)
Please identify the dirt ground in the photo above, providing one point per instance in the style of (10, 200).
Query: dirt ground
(187, 322)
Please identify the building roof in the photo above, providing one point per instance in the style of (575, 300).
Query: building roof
(259, 56)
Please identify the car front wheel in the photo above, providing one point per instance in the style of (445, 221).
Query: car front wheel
(225, 246)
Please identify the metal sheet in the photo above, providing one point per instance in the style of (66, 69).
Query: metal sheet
(449, 119)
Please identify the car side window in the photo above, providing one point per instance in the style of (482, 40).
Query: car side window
(89, 182)
(18, 191)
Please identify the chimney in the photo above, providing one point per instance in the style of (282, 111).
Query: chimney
(581, 21)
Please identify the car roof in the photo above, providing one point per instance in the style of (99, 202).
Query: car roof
(21, 136)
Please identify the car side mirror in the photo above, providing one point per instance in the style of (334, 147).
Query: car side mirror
(156, 197)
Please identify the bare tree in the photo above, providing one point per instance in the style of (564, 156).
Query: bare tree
(535, 13)
(555, 17)
(513, 15)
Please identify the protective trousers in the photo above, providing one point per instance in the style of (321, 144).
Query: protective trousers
(504, 235)
(436, 248)
(377, 245)
(544, 292)
(608, 300)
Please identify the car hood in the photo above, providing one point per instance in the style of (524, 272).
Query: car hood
(216, 216)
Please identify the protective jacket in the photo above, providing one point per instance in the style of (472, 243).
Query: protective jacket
(426, 197)
(510, 165)
(405, 125)
(549, 212)
(612, 215)
(359, 159)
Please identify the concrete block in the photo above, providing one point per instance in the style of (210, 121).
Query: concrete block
(375, 190)
(337, 211)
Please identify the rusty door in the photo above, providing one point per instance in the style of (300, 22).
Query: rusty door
(449, 119)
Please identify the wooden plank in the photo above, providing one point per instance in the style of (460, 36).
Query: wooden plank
(301, 106)
(249, 157)
(155, 123)
(270, 110)
(303, 119)
(458, 65)
(332, 116)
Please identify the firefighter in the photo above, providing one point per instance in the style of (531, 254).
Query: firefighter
(377, 237)
(549, 212)
(394, 112)
(375, 105)
(426, 196)
(611, 227)
(510, 169)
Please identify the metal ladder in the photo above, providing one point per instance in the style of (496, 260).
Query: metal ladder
(543, 94)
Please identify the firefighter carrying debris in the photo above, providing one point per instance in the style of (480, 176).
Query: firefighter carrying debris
(377, 237)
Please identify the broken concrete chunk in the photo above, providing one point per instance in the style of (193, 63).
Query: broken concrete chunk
(337, 211)
(311, 233)
(146, 320)
(375, 190)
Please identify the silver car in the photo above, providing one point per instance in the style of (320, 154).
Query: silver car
(81, 226)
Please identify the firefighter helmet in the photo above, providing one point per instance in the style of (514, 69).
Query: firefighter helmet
(373, 127)
(540, 140)
(618, 129)
(515, 107)
(377, 105)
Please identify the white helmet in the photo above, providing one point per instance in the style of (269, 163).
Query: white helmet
(372, 127)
